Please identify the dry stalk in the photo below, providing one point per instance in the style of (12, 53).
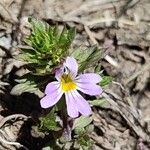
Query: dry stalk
(94, 41)
(8, 118)
(136, 74)
(11, 143)
(3, 121)
(137, 129)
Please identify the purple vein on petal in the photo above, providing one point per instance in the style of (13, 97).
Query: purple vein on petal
(89, 78)
(82, 105)
(89, 88)
(71, 106)
(72, 65)
(51, 99)
(52, 87)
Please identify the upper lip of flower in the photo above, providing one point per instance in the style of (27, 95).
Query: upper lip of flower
(69, 83)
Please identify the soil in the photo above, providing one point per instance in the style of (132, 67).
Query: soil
(121, 29)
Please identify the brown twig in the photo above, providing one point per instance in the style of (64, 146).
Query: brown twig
(91, 35)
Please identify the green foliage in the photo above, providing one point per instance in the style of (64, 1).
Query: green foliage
(30, 83)
(81, 129)
(87, 57)
(81, 122)
(44, 50)
(84, 141)
(24, 86)
(49, 122)
(46, 46)
(106, 80)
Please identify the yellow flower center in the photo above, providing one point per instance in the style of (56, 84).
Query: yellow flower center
(67, 83)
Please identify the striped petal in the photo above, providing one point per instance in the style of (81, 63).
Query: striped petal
(89, 78)
(51, 99)
(89, 88)
(52, 87)
(81, 104)
(72, 66)
(71, 105)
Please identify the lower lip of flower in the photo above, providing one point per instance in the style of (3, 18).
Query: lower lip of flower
(67, 83)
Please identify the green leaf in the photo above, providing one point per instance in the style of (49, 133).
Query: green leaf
(84, 141)
(71, 35)
(81, 122)
(63, 36)
(106, 80)
(22, 87)
(78, 54)
(98, 102)
(91, 60)
(79, 131)
(27, 58)
(90, 128)
(44, 44)
(66, 38)
(87, 58)
(49, 122)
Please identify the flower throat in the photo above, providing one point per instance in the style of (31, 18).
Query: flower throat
(67, 83)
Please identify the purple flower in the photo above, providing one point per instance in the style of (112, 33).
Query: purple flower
(69, 83)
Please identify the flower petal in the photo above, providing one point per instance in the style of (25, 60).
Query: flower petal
(82, 105)
(89, 78)
(89, 88)
(71, 106)
(72, 65)
(51, 99)
(59, 72)
(52, 87)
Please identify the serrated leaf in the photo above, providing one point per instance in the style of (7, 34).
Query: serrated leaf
(81, 122)
(21, 80)
(84, 142)
(71, 36)
(26, 86)
(90, 128)
(49, 122)
(27, 58)
(78, 54)
(47, 44)
(87, 57)
(63, 35)
(92, 59)
(79, 131)
(66, 38)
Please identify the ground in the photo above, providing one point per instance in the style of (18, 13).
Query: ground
(121, 29)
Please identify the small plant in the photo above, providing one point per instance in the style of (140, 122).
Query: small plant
(47, 46)
(53, 68)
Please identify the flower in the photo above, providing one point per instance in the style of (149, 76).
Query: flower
(69, 83)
